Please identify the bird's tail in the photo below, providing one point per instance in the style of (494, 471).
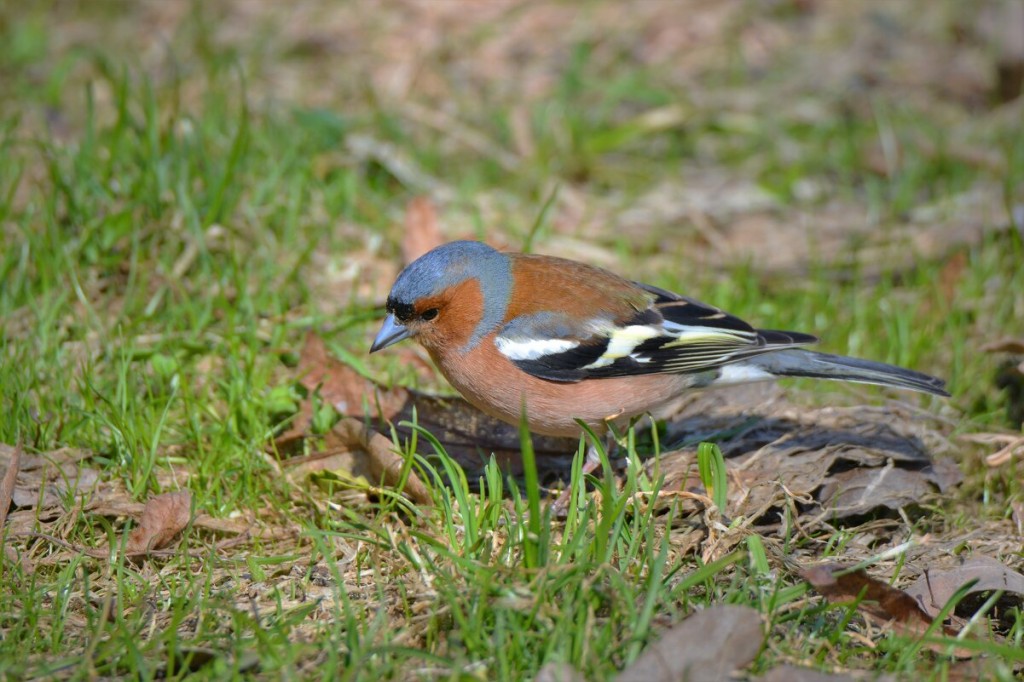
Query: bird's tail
(807, 363)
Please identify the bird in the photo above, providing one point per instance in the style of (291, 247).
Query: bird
(563, 342)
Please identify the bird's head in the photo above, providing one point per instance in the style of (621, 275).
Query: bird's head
(452, 296)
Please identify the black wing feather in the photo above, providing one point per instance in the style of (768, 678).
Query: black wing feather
(665, 353)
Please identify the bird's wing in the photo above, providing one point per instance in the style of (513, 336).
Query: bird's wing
(673, 335)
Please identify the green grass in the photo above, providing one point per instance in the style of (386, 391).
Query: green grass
(163, 257)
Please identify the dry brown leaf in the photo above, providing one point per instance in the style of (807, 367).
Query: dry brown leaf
(709, 645)
(865, 488)
(1006, 345)
(840, 462)
(16, 558)
(934, 588)
(343, 387)
(48, 487)
(115, 505)
(119, 504)
(163, 518)
(422, 232)
(877, 601)
(331, 459)
(385, 463)
(66, 459)
(24, 521)
(7, 484)
(44, 480)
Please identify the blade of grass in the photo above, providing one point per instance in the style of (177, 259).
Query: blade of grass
(711, 468)
(532, 553)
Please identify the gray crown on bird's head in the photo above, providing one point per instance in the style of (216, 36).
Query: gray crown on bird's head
(446, 266)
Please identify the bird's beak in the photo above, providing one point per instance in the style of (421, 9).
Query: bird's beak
(391, 332)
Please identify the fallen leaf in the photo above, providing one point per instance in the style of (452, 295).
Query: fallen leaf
(28, 520)
(163, 517)
(934, 588)
(842, 463)
(16, 558)
(879, 602)
(119, 504)
(422, 233)
(54, 486)
(877, 599)
(385, 463)
(233, 526)
(865, 488)
(46, 479)
(67, 459)
(340, 386)
(343, 387)
(7, 484)
(709, 645)
(1007, 345)
(330, 459)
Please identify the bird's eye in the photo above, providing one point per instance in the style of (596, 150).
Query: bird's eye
(429, 314)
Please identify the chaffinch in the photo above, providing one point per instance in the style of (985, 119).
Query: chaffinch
(569, 340)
